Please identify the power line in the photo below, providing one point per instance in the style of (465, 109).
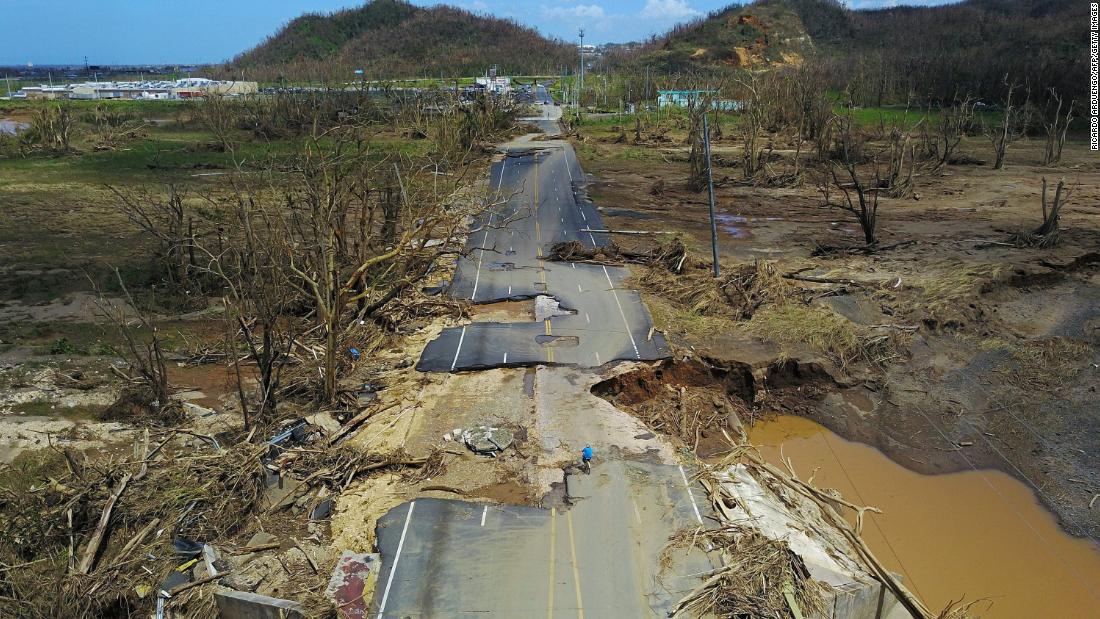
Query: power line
(1045, 544)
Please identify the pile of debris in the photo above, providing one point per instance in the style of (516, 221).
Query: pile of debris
(671, 256)
(737, 295)
(157, 531)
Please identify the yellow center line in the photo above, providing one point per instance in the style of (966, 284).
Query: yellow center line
(549, 347)
(576, 573)
(553, 540)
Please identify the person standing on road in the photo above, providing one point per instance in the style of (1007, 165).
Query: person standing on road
(586, 458)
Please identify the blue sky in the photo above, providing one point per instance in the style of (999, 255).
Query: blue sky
(164, 31)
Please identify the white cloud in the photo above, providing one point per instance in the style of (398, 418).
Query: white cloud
(666, 10)
(478, 6)
(580, 11)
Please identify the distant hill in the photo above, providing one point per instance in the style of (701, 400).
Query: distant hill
(392, 38)
(735, 37)
(929, 51)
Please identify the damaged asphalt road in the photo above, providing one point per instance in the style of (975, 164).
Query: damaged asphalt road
(597, 549)
(539, 205)
(454, 558)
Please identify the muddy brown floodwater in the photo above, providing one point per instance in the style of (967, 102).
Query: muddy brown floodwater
(978, 534)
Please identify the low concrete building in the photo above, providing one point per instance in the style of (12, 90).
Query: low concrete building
(683, 98)
(187, 88)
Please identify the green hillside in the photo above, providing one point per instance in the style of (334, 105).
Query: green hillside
(391, 38)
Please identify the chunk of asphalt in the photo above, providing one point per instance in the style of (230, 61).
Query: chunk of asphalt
(558, 341)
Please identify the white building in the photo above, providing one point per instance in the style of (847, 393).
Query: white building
(497, 85)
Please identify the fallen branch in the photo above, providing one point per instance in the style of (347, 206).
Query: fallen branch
(356, 421)
(257, 548)
(450, 489)
(88, 560)
(821, 280)
(625, 231)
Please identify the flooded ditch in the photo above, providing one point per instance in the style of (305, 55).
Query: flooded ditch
(969, 535)
(972, 534)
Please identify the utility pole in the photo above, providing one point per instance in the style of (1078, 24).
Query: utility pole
(645, 95)
(710, 190)
(580, 85)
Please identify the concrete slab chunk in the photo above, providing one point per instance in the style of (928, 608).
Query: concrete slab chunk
(244, 605)
(352, 582)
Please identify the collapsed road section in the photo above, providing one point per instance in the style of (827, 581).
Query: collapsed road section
(539, 204)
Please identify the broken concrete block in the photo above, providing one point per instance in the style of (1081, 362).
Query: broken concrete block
(261, 539)
(244, 605)
(351, 583)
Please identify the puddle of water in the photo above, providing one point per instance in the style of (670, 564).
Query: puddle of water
(212, 380)
(727, 223)
(11, 127)
(978, 534)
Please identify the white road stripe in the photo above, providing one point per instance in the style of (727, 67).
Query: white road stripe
(506, 361)
(598, 362)
(622, 313)
(579, 289)
(459, 349)
(691, 495)
(509, 290)
(587, 321)
(396, 558)
(573, 264)
(481, 256)
(486, 509)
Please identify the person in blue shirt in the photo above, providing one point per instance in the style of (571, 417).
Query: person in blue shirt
(586, 458)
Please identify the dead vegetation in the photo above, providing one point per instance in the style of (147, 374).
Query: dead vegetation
(316, 260)
(109, 532)
(759, 577)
